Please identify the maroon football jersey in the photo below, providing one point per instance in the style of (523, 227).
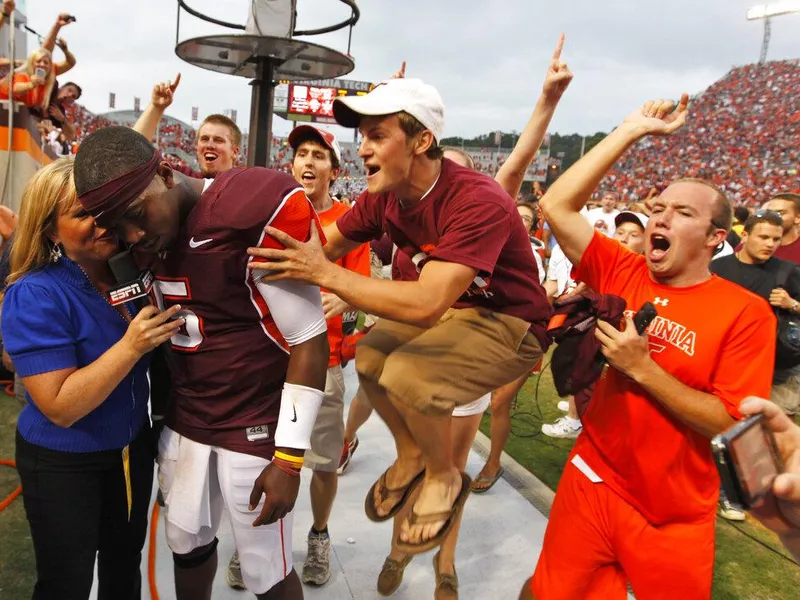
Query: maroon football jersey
(231, 359)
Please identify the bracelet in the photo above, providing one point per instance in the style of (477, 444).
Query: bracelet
(295, 460)
(288, 469)
(287, 464)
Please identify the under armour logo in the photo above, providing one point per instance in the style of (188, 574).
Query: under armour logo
(661, 301)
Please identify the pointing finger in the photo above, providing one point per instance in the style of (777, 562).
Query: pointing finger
(175, 83)
(559, 47)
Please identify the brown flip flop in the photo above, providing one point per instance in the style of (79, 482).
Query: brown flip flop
(448, 516)
(369, 501)
(484, 479)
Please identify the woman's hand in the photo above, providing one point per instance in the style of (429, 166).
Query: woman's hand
(151, 328)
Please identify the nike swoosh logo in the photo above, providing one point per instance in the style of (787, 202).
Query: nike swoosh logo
(197, 244)
(294, 410)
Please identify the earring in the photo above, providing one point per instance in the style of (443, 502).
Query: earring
(55, 253)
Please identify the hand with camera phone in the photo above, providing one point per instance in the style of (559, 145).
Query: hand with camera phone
(780, 509)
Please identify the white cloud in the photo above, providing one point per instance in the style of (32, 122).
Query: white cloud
(487, 58)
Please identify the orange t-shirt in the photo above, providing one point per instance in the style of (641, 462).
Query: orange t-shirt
(32, 98)
(715, 337)
(356, 260)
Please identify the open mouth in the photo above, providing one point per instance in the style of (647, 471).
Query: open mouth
(210, 157)
(308, 177)
(659, 246)
(371, 170)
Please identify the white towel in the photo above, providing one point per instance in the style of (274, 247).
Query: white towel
(188, 500)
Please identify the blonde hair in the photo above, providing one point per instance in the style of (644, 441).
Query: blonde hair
(48, 194)
(470, 163)
(50, 81)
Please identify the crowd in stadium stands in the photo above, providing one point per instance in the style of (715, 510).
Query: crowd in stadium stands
(176, 135)
(743, 134)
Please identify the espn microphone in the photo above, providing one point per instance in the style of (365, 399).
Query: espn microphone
(132, 285)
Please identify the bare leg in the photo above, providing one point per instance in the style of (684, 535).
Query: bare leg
(573, 411)
(288, 589)
(442, 482)
(501, 426)
(323, 492)
(409, 457)
(464, 429)
(360, 410)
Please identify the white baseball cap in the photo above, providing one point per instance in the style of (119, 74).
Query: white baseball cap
(628, 216)
(413, 96)
(326, 137)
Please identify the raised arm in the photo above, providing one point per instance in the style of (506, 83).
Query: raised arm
(65, 65)
(562, 203)
(62, 20)
(512, 173)
(160, 100)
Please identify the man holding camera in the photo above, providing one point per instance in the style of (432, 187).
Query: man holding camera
(640, 490)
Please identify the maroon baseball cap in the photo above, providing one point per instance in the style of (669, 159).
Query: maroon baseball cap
(326, 137)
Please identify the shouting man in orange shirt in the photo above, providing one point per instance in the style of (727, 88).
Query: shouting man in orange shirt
(640, 488)
(316, 163)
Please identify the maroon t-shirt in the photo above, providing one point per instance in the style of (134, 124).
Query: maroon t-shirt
(231, 359)
(790, 252)
(467, 218)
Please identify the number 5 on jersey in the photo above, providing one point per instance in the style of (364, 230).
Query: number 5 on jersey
(177, 291)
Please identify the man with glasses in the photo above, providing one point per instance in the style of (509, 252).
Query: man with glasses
(640, 489)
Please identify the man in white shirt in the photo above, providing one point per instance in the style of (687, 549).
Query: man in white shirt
(602, 217)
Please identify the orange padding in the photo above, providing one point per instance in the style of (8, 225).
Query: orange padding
(16, 492)
(23, 141)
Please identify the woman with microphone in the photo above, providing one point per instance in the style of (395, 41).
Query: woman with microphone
(83, 451)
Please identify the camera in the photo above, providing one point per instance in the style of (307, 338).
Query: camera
(748, 461)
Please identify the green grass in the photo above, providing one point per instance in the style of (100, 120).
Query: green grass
(744, 569)
(17, 565)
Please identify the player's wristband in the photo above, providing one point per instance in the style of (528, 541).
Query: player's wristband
(299, 408)
(293, 460)
(285, 467)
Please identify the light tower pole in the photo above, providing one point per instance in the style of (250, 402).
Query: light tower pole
(766, 12)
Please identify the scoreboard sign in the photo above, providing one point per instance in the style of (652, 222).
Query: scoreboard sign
(312, 101)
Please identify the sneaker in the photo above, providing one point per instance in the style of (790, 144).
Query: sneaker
(347, 454)
(317, 567)
(563, 406)
(234, 574)
(564, 427)
(730, 511)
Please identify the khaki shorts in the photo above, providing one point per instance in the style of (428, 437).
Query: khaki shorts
(787, 393)
(468, 353)
(327, 437)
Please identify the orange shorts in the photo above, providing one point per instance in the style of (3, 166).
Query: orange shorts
(596, 542)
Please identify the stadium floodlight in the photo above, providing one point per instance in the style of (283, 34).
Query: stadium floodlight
(766, 12)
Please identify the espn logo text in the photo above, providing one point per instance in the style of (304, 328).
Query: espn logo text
(130, 291)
